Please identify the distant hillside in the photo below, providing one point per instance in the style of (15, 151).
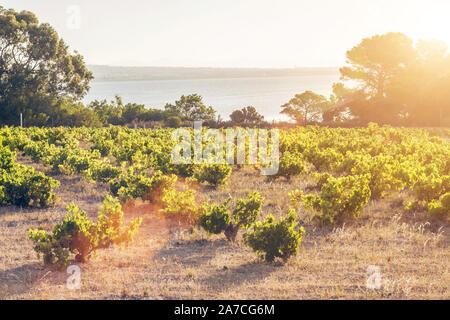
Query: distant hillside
(109, 73)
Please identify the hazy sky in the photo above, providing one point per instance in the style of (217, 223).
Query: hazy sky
(232, 33)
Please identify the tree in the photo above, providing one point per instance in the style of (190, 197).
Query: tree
(395, 82)
(191, 108)
(116, 113)
(247, 117)
(108, 113)
(132, 112)
(306, 107)
(339, 111)
(73, 114)
(376, 60)
(36, 68)
(422, 89)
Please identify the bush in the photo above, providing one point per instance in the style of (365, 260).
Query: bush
(174, 122)
(80, 236)
(70, 160)
(291, 164)
(322, 178)
(181, 206)
(244, 215)
(431, 187)
(214, 174)
(133, 185)
(440, 208)
(103, 171)
(104, 146)
(38, 150)
(339, 197)
(381, 180)
(23, 186)
(7, 158)
(271, 239)
(217, 218)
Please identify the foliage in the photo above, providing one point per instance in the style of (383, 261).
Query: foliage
(291, 165)
(440, 208)
(339, 197)
(116, 112)
(214, 174)
(306, 108)
(247, 210)
(397, 83)
(217, 218)
(271, 239)
(191, 108)
(36, 69)
(174, 122)
(80, 236)
(23, 186)
(244, 215)
(247, 117)
(414, 161)
(7, 158)
(103, 172)
(181, 206)
(134, 184)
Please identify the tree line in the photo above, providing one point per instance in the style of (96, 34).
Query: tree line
(388, 79)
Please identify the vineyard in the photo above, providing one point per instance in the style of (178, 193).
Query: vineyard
(343, 199)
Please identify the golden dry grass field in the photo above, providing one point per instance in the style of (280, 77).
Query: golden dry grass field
(167, 261)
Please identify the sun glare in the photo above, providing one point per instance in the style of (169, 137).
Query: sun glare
(432, 22)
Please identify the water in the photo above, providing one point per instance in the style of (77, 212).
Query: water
(224, 95)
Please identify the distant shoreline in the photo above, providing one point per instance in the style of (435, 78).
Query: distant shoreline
(115, 74)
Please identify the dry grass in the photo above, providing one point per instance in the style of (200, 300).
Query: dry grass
(169, 262)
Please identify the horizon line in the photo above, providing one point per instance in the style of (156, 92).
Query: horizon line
(210, 67)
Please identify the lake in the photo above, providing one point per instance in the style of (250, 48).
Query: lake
(266, 94)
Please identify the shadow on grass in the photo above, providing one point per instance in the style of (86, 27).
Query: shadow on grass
(227, 278)
(195, 254)
(192, 253)
(20, 280)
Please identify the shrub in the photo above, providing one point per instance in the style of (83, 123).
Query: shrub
(440, 208)
(104, 146)
(380, 170)
(181, 206)
(244, 215)
(291, 164)
(217, 218)
(7, 158)
(214, 174)
(271, 239)
(322, 178)
(103, 171)
(339, 197)
(80, 236)
(133, 185)
(70, 160)
(428, 188)
(38, 150)
(174, 122)
(25, 187)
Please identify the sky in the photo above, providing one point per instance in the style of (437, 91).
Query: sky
(232, 33)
